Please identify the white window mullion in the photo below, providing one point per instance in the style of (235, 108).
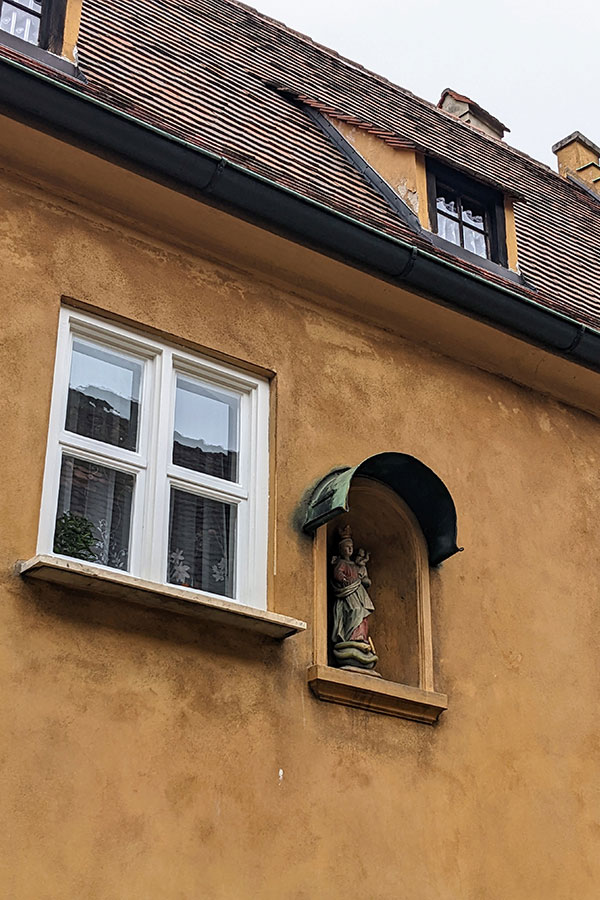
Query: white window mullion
(143, 483)
(113, 456)
(242, 542)
(158, 512)
(204, 484)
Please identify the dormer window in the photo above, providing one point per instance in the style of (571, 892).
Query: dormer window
(44, 30)
(22, 19)
(466, 213)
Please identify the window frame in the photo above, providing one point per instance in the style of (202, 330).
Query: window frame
(52, 23)
(49, 47)
(484, 196)
(151, 462)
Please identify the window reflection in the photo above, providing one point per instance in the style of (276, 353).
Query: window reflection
(104, 395)
(206, 429)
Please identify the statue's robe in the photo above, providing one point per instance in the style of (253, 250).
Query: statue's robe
(352, 604)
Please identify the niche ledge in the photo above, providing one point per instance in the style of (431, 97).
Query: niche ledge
(80, 576)
(376, 695)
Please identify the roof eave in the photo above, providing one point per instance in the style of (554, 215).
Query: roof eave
(51, 104)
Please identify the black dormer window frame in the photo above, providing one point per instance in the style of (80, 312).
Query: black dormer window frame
(49, 46)
(52, 25)
(469, 193)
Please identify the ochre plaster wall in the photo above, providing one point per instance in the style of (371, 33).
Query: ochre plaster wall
(404, 170)
(573, 156)
(147, 757)
(71, 29)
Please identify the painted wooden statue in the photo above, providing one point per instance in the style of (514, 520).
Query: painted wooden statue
(352, 606)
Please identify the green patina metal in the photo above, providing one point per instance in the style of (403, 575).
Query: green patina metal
(416, 484)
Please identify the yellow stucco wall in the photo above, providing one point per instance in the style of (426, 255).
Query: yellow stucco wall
(148, 757)
(404, 170)
(71, 29)
(511, 235)
(573, 156)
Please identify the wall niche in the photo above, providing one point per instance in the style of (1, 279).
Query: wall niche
(401, 514)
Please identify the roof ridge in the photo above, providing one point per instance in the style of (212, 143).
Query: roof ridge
(525, 157)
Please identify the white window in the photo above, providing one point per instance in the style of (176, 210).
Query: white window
(157, 463)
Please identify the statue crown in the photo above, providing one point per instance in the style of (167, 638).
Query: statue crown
(345, 534)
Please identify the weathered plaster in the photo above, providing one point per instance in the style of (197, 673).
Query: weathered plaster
(398, 167)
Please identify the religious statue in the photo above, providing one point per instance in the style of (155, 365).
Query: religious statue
(352, 606)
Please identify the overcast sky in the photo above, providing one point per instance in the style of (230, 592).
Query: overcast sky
(533, 64)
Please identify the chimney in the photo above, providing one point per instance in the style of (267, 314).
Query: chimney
(471, 113)
(578, 156)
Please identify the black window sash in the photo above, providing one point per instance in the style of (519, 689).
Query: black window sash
(53, 25)
(461, 200)
(491, 201)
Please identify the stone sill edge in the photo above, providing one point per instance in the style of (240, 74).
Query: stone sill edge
(376, 695)
(119, 585)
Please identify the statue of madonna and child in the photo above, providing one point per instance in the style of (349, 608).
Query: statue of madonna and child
(352, 647)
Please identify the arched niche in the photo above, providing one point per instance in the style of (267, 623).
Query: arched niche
(402, 513)
(382, 523)
(422, 490)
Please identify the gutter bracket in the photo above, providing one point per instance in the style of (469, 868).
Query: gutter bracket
(408, 267)
(576, 340)
(218, 171)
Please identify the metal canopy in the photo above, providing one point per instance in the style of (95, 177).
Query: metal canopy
(416, 484)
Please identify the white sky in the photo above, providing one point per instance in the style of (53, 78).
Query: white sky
(534, 64)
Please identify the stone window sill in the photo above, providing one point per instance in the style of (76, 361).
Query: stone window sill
(375, 694)
(80, 576)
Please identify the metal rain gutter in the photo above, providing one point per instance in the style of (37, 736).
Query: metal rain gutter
(62, 109)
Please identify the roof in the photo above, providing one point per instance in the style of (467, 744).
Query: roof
(203, 70)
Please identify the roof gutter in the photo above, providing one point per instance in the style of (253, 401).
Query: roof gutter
(62, 109)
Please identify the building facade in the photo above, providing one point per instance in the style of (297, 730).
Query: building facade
(255, 296)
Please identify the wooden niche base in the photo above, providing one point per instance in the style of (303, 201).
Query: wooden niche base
(375, 694)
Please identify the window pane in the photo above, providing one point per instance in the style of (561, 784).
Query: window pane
(93, 518)
(448, 229)
(206, 429)
(104, 395)
(475, 241)
(202, 543)
(473, 215)
(20, 23)
(446, 201)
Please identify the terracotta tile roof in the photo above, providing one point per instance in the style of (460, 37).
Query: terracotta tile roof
(204, 71)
